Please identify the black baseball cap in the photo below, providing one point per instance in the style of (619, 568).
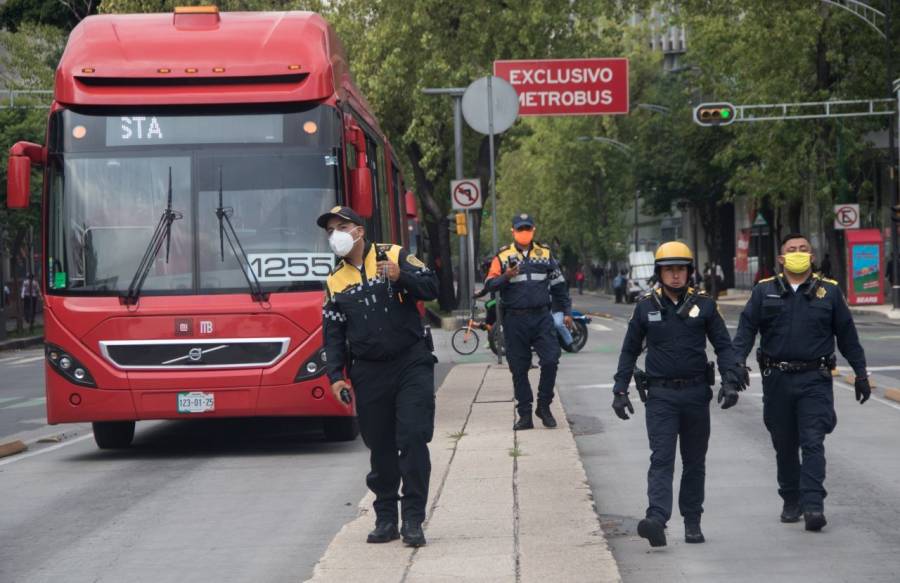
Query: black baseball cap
(343, 212)
(522, 220)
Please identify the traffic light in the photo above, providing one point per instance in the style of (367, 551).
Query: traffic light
(461, 224)
(714, 114)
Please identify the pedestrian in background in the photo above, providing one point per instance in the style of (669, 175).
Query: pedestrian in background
(370, 309)
(675, 321)
(620, 282)
(527, 275)
(31, 293)
(579, 280)
(798, 315)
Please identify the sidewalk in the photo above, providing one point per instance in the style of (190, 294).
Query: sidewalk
(25, 341)
(504, 505)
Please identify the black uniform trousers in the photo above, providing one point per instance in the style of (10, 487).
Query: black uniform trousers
(798, 410)
(523, 330)
(395, 406)
(677, 414)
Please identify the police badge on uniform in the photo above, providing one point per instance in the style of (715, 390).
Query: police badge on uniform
(820, 293)
(695, 311)
(414, 261)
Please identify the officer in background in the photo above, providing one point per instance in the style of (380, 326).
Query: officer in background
(522, 273)
(675, 321)
(372, 328)
(798, 315)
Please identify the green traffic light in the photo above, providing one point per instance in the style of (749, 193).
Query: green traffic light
(725, 113)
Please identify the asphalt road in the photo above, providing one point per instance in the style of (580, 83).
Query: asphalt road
(218, 500)
(745, 540)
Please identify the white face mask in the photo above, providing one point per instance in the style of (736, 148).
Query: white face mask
(341, 242)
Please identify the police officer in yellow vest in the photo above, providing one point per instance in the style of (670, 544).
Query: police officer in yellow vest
(526, 275)
(373, 329)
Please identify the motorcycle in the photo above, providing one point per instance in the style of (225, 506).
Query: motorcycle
(579, 334)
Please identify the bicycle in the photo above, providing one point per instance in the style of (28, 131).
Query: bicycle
(465, 339)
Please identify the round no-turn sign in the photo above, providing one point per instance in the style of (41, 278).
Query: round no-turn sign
(465, 194)
(846, 216)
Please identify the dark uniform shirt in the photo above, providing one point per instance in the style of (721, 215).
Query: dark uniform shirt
(676, 345)
(378, 317)
(537, 270)
(801, 325)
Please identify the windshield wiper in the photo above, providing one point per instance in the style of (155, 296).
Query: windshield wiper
(162, 233)
(224, 215)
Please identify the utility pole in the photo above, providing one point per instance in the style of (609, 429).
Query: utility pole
(466, 256)
(637, 197)
(892, 147)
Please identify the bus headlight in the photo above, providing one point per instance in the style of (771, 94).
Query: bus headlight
(68, 366)
(313, 367)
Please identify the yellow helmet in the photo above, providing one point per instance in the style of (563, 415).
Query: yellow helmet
(674, 253)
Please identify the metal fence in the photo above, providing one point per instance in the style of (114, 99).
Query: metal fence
(25, 98)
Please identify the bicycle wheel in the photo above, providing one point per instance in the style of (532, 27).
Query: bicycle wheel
(496, 341)
(464, 341)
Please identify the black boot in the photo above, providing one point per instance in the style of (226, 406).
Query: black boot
(790, 513)
(543, 413)
(525, 422)
(413, 535)
(652, 530)
(692, 533)
(815, 521)
(385, 531)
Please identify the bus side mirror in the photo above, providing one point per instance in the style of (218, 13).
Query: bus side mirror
(18, 173)
(361, 191)
(18, 182)
(412, 210)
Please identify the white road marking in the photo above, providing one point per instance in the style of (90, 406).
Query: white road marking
(34, 402)
(18, 458)
(25, 360)
(600, 327)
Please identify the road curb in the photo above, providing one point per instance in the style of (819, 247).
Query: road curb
(20, 343)
(12, 448)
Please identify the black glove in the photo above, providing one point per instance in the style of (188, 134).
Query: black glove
(738, 378)
(744, 371)
(863, 389)
(620, 403)
(728, 393)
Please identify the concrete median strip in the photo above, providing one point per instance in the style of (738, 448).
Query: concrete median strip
(12, 448)
(504, 506)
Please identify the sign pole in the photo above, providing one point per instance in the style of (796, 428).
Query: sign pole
(490, 108)
(465, 298)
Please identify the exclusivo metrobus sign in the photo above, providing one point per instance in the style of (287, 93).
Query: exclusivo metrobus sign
(568, 86)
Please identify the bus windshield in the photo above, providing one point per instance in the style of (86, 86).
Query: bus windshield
(109, 184)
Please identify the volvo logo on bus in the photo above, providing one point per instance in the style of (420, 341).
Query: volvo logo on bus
(195, 354)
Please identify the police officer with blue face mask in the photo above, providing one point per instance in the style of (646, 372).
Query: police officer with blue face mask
(798, 315)
(675, 321)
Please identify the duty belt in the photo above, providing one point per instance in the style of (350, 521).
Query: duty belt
(823, 362)
(676, 383)
(524, 311)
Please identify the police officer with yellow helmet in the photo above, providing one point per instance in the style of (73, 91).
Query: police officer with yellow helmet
(675, 321)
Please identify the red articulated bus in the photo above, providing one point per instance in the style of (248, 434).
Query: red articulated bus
(187, 158)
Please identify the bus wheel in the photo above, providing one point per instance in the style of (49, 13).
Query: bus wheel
(113, 434)
(341, 428)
